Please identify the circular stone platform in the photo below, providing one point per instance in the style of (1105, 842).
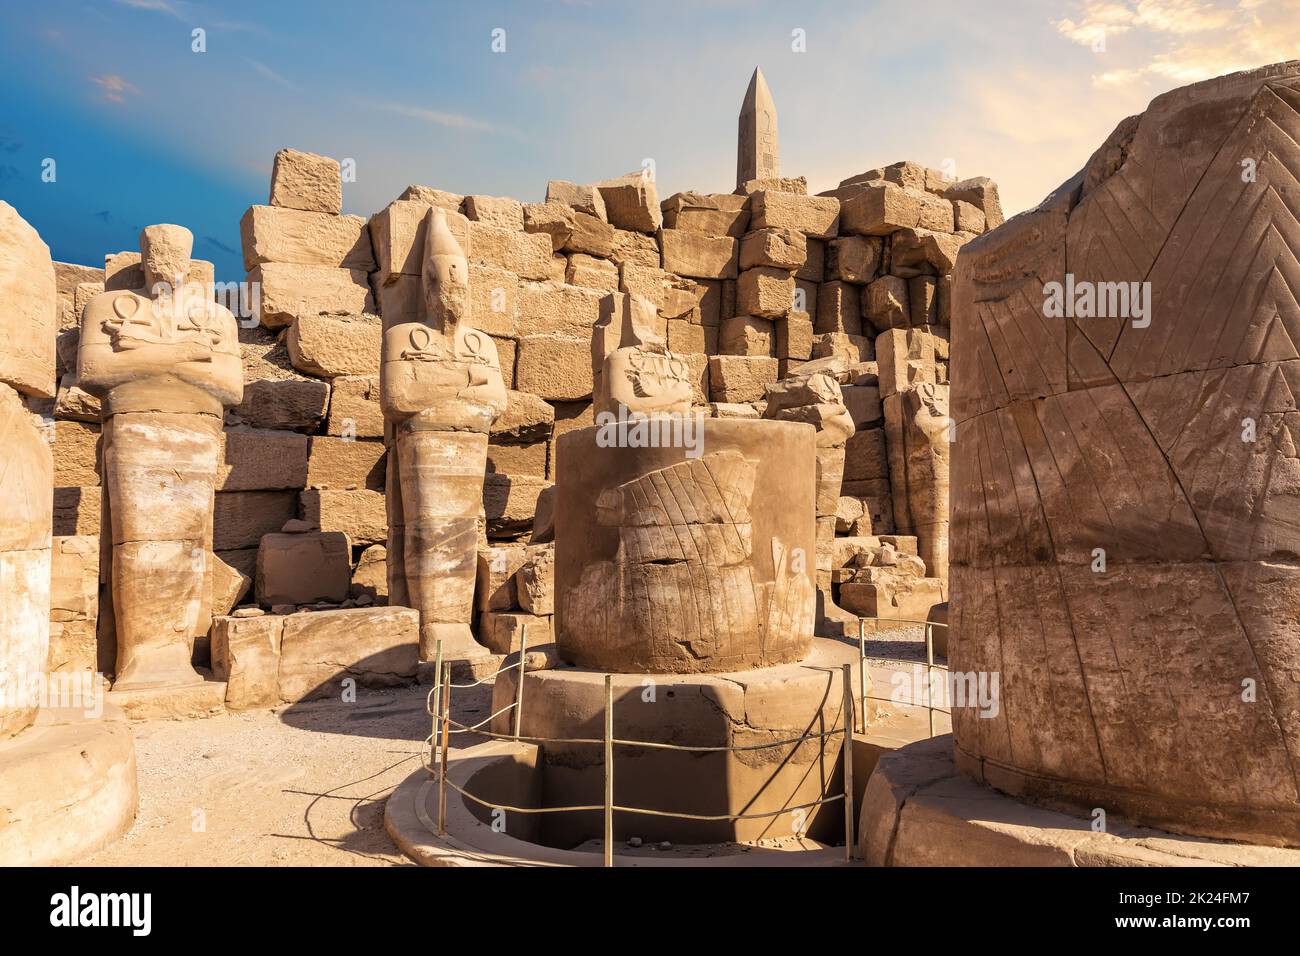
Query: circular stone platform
(739, 708)
(920, 810)
(506, 771)
(67, 787)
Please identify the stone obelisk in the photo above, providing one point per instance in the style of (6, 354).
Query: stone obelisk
(758, 151)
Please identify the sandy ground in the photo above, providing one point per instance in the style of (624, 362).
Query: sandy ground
(305, 785)
(300, 786)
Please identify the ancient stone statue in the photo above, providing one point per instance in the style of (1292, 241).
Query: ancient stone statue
(683, 544)
(813, 395)
(920, 437)
(441, 390)
(631, 364)
(1126, 483)
(163, 360)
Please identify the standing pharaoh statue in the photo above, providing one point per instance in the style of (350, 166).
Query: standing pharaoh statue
(164, 360)
(441, 390)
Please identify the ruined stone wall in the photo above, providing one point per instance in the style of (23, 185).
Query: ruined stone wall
(749, 286)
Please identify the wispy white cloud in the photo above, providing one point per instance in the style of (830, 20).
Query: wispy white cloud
(263, 70)
(173, 8)
(113, 88)
(1182, 41)
(438, 117)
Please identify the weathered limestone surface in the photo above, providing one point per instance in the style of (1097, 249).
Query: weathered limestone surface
(441, 390)
(163, 363)
(30, 307)
(670, 563)
(1162, 685)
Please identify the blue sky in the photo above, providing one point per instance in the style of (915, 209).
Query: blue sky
(142, 129)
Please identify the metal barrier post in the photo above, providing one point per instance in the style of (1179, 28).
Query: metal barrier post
(519, 680)
(609, 770)
(446, 732)
(862, 668)
(437, 704)
(929, 673)
(848, 763)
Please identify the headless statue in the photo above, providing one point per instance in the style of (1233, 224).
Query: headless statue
(164, 361)
(441, 390)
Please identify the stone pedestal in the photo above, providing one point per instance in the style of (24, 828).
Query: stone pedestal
(67, 787)
(920, 810)
(736, 708)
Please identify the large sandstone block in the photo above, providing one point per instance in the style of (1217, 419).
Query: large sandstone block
(747, 335)
(494, 587)
(886, 304)
(374, 647)
(554, 367)
(778, 248)
(331, 345)
(697, 255)
(863, 403)
(429, 196)
(718, 214)
(345, 463)
(29, 307)
(74, 579)
(535, 580)
(246, 655)
(765, 292)
(982, 193)
(261, 459)
(740, 378)
(370, 576)
(294, 404)
(523, 460)
(919, 251)
(303, 568)
(839, 308)
(240, 518)
(817, 216)
(510, 502)
(635, 247)
(495, 211)
(526, 254)
(591, 273)
(359, 514)
(631, 202)
(76, 454)
(853, 349)
(289, 290)
(883, 208)
(866, 456)
(308, 181)
(794, 336)
(527, 418)
(856, 259)
(76, 511)
(548, 308)
(229, 585)
(274, 234)
(502, 631)
(585, 199)
(354, 410)
(75, 403)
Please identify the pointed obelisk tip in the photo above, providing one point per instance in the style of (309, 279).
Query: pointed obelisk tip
(757, 149)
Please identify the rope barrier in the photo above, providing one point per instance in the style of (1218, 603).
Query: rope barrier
(437, 766)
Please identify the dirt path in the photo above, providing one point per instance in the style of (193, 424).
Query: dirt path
(300, 786)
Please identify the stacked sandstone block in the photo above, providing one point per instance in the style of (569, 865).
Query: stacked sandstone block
(886, 302)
